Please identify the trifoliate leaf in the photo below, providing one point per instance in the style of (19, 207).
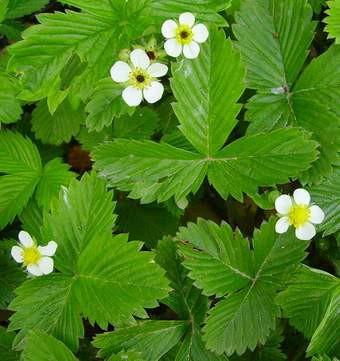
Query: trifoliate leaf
(327, 196)
(333, 20)
(20, 169)
(222, 263)
(39, 346)
(152, 171)
(6, 352)
(311, 303)
(96, 280)
(152, 339)
(10, 106)
(274, 68)
(59, 127)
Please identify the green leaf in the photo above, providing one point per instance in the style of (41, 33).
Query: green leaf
(59, 127)
(189, 304)
(333, 20)
(39, 346)
(205, 10)
(275, 51)
(105, 105)
(310, 302)
(84, 209)
(95, 38)
(207, 92)
(327, 196)
(222, 263)
(11, 274)
(20, 169)
(55, 175)
(152, 339)
(271, 351)
(96, 279)
(6, 352)
(317, 5)
(20, 8)
(10, 106)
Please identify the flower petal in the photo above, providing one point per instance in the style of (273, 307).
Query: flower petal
(25, 239)
(282, 225)
(187, 19)
(317, 215)
(173, 48)
(154, 92)
(46, 265)
(140, 59)
(120, 72)
(157, 70)
(34, 269)
(200, 33)
(17, 254)
(132, 96)
(283, 204)
(191, 50)
(305, 232)
(301, 196)
(169, 29)
(49, 249)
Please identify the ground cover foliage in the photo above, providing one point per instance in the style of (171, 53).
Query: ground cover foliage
(152, 159)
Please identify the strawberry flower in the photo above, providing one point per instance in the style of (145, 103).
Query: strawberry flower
(140, 77)
(37, 259)
(297, 211)
(184, 36)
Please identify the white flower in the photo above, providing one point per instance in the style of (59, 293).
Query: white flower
(298, 212)
(184, 36)
(141, 78)
(37, 259)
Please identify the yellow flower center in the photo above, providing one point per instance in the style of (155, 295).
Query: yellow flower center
(140, 78)
(184, 34)
(299, 215)
(31, 255)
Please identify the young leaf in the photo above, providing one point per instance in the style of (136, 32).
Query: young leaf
(275, 51)
(152, 339)
(222, 263)
(327, 196)
(310, 302)
(20, 169)
(39, 346)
